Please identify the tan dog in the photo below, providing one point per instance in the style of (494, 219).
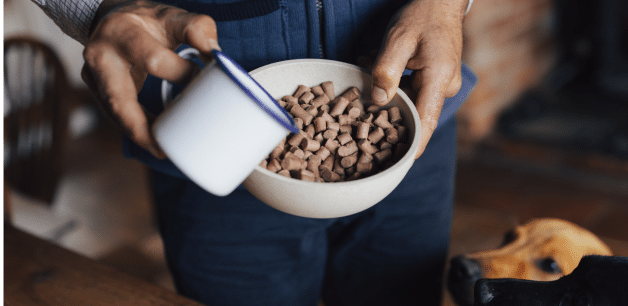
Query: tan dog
(542, 250)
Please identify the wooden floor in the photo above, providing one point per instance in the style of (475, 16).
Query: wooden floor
(103, 207)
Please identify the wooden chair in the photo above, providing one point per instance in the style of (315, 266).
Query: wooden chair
(36, 95)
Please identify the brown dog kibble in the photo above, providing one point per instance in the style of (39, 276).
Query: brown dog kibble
(339, 140)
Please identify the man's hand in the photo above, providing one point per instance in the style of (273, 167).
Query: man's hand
(425, 36)
(131, 39)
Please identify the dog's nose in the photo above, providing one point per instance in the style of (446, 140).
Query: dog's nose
(464, 269)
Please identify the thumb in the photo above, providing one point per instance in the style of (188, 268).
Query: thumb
(388, 70)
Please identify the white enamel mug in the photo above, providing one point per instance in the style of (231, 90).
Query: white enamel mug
(221, 126)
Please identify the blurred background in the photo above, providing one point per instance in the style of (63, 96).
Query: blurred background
(544, 134)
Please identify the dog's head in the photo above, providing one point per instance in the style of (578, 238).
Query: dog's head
(541, 250)
(597, 281)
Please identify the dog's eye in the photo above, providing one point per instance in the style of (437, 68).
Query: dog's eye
(510, 237)
(549, 265)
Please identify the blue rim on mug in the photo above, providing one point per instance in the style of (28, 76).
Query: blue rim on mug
(221, 58)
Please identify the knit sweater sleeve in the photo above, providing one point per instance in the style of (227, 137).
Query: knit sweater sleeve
(74, 17)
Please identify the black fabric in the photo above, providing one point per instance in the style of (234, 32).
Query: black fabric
(227, 11)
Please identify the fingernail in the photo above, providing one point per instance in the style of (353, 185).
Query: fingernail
(378, 95)
(214, 45)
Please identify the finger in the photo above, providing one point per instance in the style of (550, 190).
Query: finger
(154, 58)
(390, 64)
(431, 85)
(454, 85)
(118, 96)
(198, 31)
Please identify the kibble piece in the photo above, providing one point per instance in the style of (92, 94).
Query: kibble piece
(352, 93)
(320, 124)
(285, 173)
(319, 137)
(332, 145)
(384, 145)
(299, 112)
(326, 116)
(382, 120)
(366, 146)
(365, 158)
(348, 149)
(277, 151)
(376, 135)
(318, 90)
(354, 176)
(310, 130)
(310, 144)
(394, 115)
(328, 87)
(340, 105)
(348, 161)
(301, 89)
(353, 111)
(274, 165)
(382, 156)
(295, 139)
(329, 175)
(330, 134)
(291, 162)
(362, 132)
(306, 175)
(282, 103)
(290, 100)
(350, 171)
(327, 164)
(345, 129)
(345, 120)
(338, 168)
(392, 136)
(372, 109)
(306, 98)
(368, 118)
(298, 122)
(364, 168)
(359, 104)
(298, 152)
(333, 126)
(312, 110)
(344, 138)
(323, 153)
(320, 101)
(313, 163)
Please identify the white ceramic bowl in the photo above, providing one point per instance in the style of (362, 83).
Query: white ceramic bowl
(328, 200)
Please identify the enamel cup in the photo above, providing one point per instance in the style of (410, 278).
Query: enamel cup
(221, 126)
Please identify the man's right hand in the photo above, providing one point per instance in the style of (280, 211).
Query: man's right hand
(131, 39)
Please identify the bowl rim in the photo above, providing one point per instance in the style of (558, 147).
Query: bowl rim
(409, 154)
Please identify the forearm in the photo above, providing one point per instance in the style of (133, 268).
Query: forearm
(74, 17)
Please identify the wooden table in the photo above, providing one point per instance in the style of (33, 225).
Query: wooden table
(37, 272)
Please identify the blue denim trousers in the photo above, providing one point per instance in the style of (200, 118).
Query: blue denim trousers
(235, 250)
